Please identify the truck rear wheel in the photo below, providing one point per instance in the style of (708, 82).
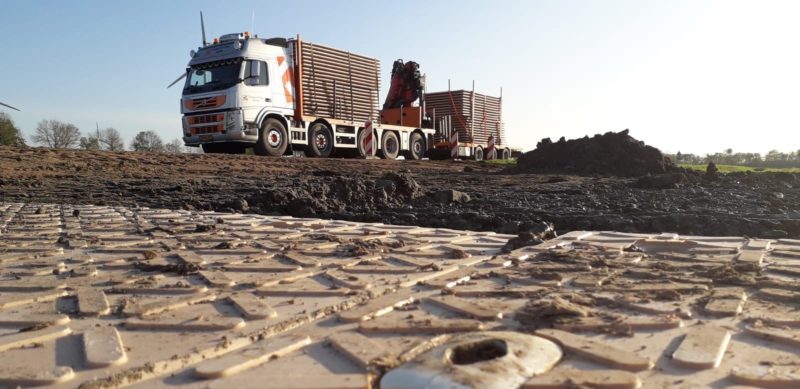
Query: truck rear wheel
(478, 155)
(272, 139)
(320, 141)
(416, 146)
(390, 146)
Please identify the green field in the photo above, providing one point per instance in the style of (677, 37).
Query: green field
(736, 168)
(502, 161)
(701, 167)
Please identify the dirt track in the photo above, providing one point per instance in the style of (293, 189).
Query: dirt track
(405, 192)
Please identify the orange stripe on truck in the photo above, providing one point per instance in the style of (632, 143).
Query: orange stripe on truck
(287, 83)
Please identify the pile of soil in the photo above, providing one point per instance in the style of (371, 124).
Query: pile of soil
(324, 193)
(616, 154)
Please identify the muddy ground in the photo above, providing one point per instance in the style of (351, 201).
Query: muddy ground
(486, 197)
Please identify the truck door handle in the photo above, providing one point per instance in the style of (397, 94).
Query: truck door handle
(267, 99)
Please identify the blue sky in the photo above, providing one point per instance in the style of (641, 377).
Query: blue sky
(692, 76)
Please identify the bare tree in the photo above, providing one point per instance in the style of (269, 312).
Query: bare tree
(91, 141)
(112, 140)
(106, 139)
(56, 134)
(174, 146)
(193, 150)
(147, 141)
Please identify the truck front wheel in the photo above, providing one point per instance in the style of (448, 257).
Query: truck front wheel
(272, 139)
(390, 146)
(416, 147)
(320, 141)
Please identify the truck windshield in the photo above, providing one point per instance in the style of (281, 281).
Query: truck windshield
(211, 76)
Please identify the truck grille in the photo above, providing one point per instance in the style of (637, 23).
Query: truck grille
(205, 119)
(207, 129)
(204, 103)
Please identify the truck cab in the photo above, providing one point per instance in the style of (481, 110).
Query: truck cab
(230, 86)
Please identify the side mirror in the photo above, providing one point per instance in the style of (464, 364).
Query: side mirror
(255, 70)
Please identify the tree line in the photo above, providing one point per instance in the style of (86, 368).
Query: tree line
(58, 134)
(773, 159)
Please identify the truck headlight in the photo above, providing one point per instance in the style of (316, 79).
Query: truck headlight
(230, 121)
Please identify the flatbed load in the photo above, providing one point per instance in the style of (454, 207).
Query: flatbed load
(475, 118)
(474, 115)
(338, 84)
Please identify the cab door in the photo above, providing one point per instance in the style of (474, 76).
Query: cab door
(256, 93)
(282, 85)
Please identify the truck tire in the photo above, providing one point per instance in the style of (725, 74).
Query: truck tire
(320, 141)
(416, 147)
(272, 139)
(506, 154)
(390, 146)
(478, 154)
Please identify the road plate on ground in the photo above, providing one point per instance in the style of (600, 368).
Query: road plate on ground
(100, 296)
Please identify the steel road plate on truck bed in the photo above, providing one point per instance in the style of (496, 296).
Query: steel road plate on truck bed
(96, 296)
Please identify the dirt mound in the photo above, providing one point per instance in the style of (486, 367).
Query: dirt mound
(612, 153)
(338, 193)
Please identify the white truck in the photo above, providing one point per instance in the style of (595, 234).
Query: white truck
(284, 96)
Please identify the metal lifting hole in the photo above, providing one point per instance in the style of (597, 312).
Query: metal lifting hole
(485, 350)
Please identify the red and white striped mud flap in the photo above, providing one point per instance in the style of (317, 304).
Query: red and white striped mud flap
(454, 144)
(491, 153)
(368, 141)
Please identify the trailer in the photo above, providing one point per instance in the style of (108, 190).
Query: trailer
(475, 118)
(285, 96)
